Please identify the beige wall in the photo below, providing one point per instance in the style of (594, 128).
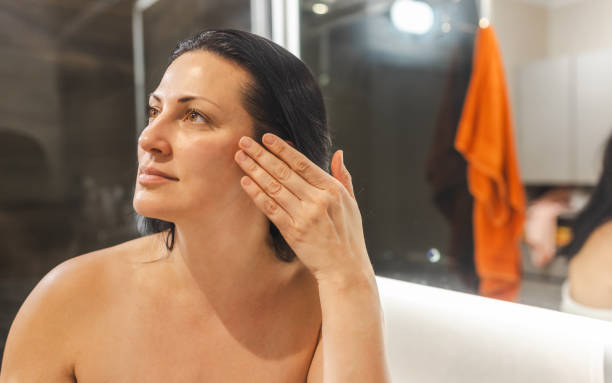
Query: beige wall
(529, 31)
(562, 33)
(580, 27)
(522, 35)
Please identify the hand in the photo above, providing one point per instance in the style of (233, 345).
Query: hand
(316, 213)
(541, 257)
(541, 229)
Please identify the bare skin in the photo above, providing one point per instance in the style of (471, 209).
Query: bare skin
(112, 317)
(590, 271)
(220, 307)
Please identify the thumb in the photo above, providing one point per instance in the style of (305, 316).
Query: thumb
(339, 172)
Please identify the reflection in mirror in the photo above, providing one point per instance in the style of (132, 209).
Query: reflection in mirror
(559, 69)
(395, 100)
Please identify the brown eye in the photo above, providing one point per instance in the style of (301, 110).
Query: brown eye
(194, 116)
(153, 112)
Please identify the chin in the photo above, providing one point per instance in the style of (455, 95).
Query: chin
(151, 207)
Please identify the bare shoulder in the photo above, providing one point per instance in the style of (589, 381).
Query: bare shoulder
(48, 331)
(605, 229)
(76, 281)
(592, 264)
(600, 240)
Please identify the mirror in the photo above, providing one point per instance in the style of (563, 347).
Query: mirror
(395, 99)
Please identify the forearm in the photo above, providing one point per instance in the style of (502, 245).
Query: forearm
(352, 331)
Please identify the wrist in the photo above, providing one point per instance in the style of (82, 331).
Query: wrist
(357, 290)
(345, 279)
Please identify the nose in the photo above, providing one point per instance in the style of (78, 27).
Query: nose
(154, 140)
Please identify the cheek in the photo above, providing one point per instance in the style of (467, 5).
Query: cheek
(212, 164)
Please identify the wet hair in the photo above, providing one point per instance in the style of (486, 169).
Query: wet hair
(282, 98)
(597, 211)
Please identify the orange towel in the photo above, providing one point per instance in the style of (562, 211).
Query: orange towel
(485, 138)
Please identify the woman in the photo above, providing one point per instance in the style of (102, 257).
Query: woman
(257, 270)
(588, 289)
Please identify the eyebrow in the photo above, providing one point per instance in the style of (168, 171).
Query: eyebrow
(186, 99)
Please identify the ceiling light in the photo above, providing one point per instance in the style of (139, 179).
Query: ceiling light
(412, 16)
(320, 8)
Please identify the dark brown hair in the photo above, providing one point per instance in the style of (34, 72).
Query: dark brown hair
(597, 211)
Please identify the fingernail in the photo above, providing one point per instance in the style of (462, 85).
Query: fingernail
(246, 181)
(245, 142)
(342, 158)
(242, 155)
(268, 139)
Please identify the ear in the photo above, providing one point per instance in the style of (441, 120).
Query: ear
(341, 173)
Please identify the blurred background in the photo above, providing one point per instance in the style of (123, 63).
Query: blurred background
(74, 75)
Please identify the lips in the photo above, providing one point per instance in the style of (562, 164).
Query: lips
(155, 172)
(151, 175)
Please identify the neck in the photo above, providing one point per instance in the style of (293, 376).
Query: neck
(228, 255)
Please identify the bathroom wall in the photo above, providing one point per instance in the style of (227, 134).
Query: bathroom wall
(578, 27)
(522, 32)
(546, 47)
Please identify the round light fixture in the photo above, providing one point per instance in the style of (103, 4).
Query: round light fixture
(320, 8)
(412, 16)
(434, 255)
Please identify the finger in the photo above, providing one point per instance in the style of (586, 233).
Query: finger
(277, 168)
(266, 204)
(308, 170)
(340, 172)
(273, 188)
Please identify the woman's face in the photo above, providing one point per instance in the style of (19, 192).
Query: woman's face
(195, 121)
